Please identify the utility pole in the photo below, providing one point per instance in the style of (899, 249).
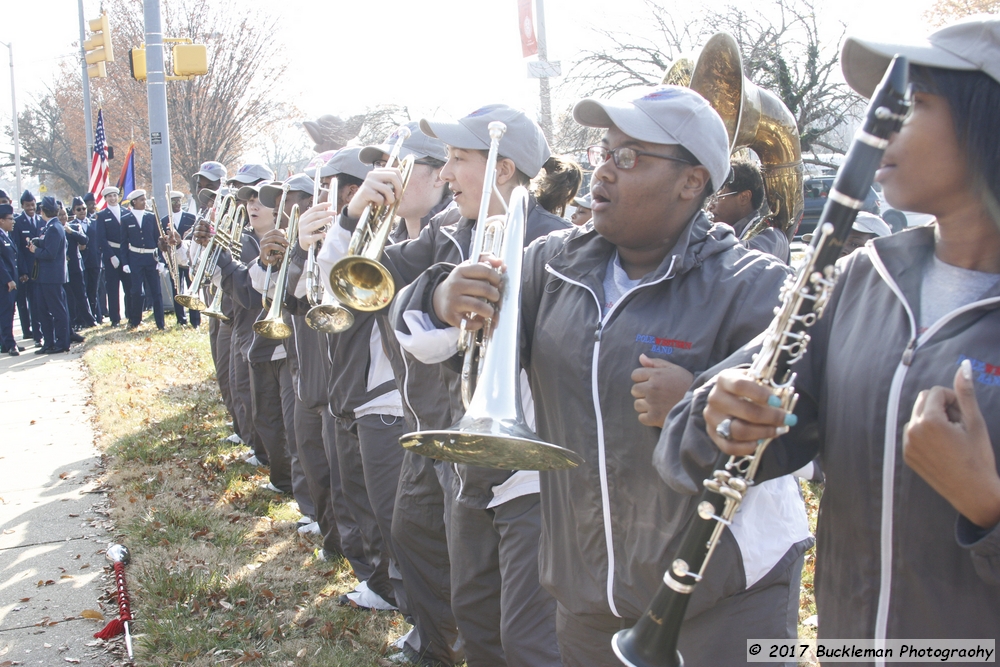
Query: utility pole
(87, 119)
(543, 82)
(156, 95)
(13, 105)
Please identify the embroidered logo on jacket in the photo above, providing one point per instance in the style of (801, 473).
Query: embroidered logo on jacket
(983, 372)
(662, 345)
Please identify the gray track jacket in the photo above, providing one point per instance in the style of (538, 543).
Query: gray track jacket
(895, 559)
(609, 526)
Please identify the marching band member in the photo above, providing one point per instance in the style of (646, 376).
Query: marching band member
(907, 422)
(110, 223)
(492, 544)
(738, 204)
(596, 302)
(181, 222)
(140, 241)
(557, 186)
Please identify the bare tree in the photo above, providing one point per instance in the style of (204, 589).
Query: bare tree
(212, 117)
(783, 47)
(946, 11)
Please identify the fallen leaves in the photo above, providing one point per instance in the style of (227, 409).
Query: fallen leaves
(92, 614)
(43, 582)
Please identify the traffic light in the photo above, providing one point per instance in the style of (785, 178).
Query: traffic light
(137, 63)
(98, 47)
(190, 60)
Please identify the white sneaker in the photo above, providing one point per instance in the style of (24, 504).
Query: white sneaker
(369, 599)
(304, 520)
(253, 460)
(235, 439)
(399, 643)
(310, 529)
(271, 487)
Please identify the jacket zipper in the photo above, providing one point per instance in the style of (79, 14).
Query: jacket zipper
(889, 443)
(602, 464)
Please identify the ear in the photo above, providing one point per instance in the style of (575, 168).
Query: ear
(745, 198)
(506, 170)
(695, 182)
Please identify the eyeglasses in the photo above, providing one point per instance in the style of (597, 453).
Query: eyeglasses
(625, 157)
(79, 208)
(715, 198)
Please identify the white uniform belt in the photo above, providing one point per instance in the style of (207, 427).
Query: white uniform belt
(112, 244)
(143, 251)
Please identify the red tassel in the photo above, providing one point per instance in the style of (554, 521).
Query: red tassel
(115, 627)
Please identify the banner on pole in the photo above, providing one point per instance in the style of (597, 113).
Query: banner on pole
(126, 181)
(526, 24)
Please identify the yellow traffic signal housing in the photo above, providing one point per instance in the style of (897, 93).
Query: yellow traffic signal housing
(98, 47)
(137, 63)
(190, 59)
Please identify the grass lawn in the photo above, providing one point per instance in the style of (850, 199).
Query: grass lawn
(219, 575)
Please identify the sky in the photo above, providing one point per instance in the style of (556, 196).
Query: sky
(437, 57)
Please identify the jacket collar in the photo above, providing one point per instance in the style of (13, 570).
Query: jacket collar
(585, 255)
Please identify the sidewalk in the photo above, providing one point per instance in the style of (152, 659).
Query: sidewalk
(53, 522)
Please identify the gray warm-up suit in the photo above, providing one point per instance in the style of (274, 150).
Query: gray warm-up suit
(503, 614)
(895, 560)
(610, 526)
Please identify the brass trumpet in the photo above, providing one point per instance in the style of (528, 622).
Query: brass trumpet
(265, 302)
(359, 280)
(273, 326)
(326, 315)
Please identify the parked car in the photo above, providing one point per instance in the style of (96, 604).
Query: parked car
(816, 189)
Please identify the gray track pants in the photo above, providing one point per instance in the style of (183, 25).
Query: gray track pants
(505, 616)
(274, 415)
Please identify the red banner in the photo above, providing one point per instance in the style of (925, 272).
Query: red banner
(526, 24)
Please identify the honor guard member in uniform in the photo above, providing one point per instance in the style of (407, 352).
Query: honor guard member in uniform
(4, 198)
(140, 242)
(906, 418)
(181, 222)
(93, 273)
(209, 177)
(77, 243)
(49, 252)
(8, 281)
(110, 221)
(493, 538)
(28, 225)
(91, 202)
(738, 204)
(620, 306)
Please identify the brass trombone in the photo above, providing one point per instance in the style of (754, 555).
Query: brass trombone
(170, 256)
(493, 433)
(232, 242)
(326, 315)
(359, 280)
(273, 326)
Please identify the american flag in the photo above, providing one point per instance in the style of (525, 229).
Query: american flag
(99, 165)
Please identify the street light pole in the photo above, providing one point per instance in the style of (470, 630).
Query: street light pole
(544, 92)
(13, 104)
(156, 95)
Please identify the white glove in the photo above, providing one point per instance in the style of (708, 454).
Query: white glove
(126, 269)
(114, 261)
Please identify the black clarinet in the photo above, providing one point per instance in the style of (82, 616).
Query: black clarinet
(652, 642)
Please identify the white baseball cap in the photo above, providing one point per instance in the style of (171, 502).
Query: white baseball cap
(213, 171)
(252, 173)
(970, 44)
(665, 115)
(346, 161)
(523, 142)
(869, 223)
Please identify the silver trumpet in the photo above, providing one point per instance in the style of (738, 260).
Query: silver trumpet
(326, 314)
(273, 325)
(494, 433)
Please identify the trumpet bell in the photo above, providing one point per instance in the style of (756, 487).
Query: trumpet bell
(362, 283)
(192, 302)
(505, 444)
(273, 329)
(329, 318)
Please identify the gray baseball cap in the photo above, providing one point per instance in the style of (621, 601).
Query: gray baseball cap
(586, 201)
(869, 223)
(204, 195)
(523, 142)
(270, 194)
(252, 173)
(970, 44)
(317, 162)
(346, 161)
(213, 171)
(418, 144)
(665, 115)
